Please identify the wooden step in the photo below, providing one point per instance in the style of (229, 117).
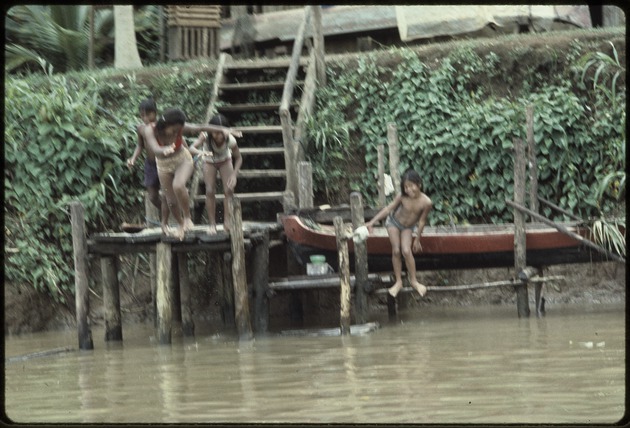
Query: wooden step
(255, 86)
(262, 173)
(231, 108)
(261, 150)
(262, 129)
(264, 64)
(246, 197)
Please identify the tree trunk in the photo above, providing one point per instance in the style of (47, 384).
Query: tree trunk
(125, 48)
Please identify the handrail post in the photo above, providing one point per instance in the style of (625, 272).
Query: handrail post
(318, 42)
(287, 97)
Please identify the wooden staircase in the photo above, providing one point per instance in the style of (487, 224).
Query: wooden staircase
(260, 99)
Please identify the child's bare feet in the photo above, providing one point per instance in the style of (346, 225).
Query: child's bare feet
(420, 288)
(394, 289)
(188, 225)
(166, 230)
(180, 232)
(226, 227)
(212, 229)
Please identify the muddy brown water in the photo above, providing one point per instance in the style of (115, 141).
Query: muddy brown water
(440, 365)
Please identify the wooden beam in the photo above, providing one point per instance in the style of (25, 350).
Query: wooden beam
(82, 301)
(344, 275)
(360, 260)
(111, 297)
(239, 277)
(566, 231)
(163, 297)
(520, 237)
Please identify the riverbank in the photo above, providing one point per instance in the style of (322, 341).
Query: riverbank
(28, 311)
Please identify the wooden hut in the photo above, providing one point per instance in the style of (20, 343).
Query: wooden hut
(193, 31)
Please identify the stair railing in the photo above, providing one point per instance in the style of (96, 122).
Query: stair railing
(291, 138)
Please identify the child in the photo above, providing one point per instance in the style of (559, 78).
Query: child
(174, 162)
(223, 149)
(409, 208)
(148, 113)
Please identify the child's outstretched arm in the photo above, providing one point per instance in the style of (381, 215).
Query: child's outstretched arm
(200, 140)
(139, 145)
(383, 213)
(151, 142)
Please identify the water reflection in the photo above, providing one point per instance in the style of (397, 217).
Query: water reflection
(444, 365)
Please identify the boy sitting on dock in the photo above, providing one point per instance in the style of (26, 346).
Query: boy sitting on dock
(408, 211)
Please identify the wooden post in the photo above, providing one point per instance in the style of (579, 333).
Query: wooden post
(533, 163)
(318, 44)
(381, 176)
(173, 289)
(533, 194)
(360, 260)
(392, 141)
(188, 325)
(305, 185)
(163, 296)
(260, 279)
(152, 214)
(111, 297)
(82, 301)
(344, 275)
(522, 300)
(239, 277)
(227, 290)
(288, 202)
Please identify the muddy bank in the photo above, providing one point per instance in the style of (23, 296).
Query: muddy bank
(585, 284)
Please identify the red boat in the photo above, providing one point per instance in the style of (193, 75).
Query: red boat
(447, 247)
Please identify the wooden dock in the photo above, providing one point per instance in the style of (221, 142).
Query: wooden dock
(251, 238)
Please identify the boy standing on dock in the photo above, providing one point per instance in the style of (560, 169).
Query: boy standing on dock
(405, 214)
(148, 114)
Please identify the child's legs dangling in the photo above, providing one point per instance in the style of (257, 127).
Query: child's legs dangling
(406, 240)
(394, 239)
(210, 180)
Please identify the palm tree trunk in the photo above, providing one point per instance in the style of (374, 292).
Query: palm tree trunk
(125, 47)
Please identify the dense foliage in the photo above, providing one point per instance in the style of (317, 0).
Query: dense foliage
(67, 138)
(455, 131)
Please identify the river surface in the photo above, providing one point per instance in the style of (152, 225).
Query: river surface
(440, 365)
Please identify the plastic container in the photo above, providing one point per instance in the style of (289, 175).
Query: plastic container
(318, 259)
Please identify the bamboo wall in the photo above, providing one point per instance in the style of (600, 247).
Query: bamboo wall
(193, 31)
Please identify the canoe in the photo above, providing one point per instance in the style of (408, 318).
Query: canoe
(470, 246)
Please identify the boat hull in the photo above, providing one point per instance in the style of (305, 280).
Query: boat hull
(476, 246)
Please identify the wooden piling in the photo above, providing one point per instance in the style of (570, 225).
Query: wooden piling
(522, 300)
(533, 192)
(305, 185)
(260, 279)
(82, 302)
(394, 159)
(163, 296)
(111, 297)
(226, 289)
(188, 325)
(152, 214)
(381, 176)
(531, 158)
(344, 275)
(360, 260)
(239, 277)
